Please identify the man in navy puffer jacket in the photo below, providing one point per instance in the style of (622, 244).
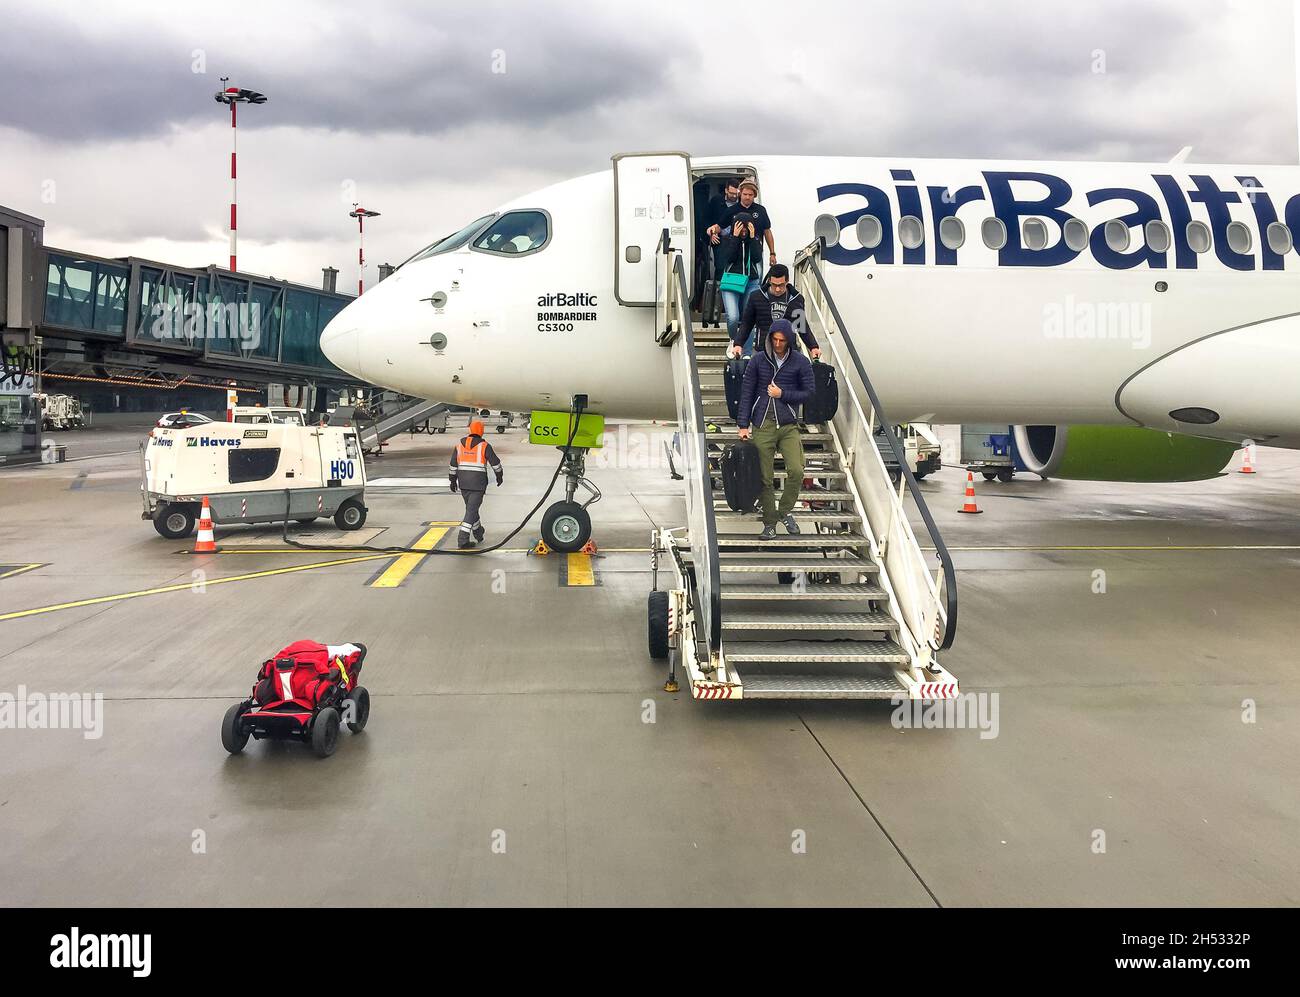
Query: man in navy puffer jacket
(777, 382)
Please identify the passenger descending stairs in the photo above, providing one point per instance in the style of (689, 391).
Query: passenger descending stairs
(802, 616)
(846, 609)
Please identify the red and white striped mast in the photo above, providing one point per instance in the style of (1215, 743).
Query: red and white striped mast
(235, 96)
(361, 214)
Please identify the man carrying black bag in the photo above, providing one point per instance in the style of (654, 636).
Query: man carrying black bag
(778, 380)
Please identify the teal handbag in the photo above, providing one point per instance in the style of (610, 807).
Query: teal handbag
(736, 282)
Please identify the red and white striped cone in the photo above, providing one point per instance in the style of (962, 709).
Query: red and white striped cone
(1247, 465)
(205, 542)
(970, 505)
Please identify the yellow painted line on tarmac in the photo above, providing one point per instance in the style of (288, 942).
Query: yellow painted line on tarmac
(181, 586)
(396, 572)
(18, 569)
(579, 570)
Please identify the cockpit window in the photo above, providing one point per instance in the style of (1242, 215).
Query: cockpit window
(516, 233)
(454, 241)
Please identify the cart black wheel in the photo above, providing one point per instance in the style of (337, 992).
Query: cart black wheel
(233, 734)
(325, 732)
(501, 429)
(357, 706)
(990, 475)
(657, 613)
(566, 526)
(895, 475)
(351, 515)
(1006, 476)
(307, 520)
(175, 522)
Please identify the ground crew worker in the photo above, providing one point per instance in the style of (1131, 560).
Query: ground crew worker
(469, 474)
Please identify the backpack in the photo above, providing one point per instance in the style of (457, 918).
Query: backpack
(742, 477)
(825, 400)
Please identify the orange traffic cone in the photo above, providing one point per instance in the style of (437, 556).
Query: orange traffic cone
(205, 542)
(1246, 466)
(970, 505)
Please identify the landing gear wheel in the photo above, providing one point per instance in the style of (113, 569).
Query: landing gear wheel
(325, 732)
(233, 734)
(351, 515)
(360, 712)
(566, 527)
(657, 613)
(175, 522)
(1006, 476)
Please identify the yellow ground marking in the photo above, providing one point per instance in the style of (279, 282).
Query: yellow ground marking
(18, 570)
(160, 590)
(579, 570)
(396, 572)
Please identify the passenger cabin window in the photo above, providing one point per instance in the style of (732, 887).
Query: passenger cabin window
(911, 232)
(1117, 236)
(1198, 237)
(1158, 237)
(253, 465)
(1239, 238)
(516, 233)
(1034, 233)
(952, 233)
(1279, 238)
(1075, 233)
(994, 232)
(870, 232)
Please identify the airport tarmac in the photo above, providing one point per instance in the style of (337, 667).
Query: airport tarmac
(508, 759)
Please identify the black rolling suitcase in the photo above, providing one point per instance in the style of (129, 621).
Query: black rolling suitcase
(711, 296)
(733, 379)
(742, 477)
(825, 400)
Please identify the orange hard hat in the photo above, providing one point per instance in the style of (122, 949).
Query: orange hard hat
(476, 428)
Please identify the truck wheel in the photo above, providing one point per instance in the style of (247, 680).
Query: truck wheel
(990, 475)
(233, 734)
(1005, 476)
(325, 732)
(175, 522)
(566, 527)
(351, 515)
(657, 614)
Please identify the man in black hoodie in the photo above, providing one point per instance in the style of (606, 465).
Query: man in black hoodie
(777, 382)
(775, 299)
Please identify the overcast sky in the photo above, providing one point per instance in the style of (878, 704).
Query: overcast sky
(432, 112)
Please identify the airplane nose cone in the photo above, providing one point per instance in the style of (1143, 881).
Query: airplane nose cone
(341, 343)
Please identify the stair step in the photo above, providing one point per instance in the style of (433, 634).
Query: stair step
(884, 686)
(782, 541)
(810, 593)
(810, 518)
(735, 562)
(883, 652)
(720, 437)
(748, 622)
(804, 496)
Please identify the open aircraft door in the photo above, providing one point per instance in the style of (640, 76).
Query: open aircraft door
(652, 192)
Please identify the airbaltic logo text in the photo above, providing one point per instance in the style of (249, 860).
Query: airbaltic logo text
(555, 317)
(93, 951)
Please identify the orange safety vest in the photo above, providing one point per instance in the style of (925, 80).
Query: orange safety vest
(471, 458)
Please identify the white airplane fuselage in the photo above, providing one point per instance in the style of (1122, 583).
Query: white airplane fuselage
(1103, 334)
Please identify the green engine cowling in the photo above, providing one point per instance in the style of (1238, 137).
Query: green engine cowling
(1120, 453)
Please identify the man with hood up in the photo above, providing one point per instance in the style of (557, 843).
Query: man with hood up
(778, 381)
(469, 474)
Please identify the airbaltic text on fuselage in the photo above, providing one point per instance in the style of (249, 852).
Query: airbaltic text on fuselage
(1014, 196)
(557, 318)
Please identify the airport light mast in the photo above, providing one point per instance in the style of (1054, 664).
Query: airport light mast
(235, 96)
(361, 214)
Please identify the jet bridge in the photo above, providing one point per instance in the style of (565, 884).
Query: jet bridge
(851, 607)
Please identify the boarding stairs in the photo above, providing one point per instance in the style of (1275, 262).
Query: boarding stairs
(853, 607)
(413, 412)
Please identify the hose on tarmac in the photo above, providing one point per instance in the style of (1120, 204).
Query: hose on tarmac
(575, 411)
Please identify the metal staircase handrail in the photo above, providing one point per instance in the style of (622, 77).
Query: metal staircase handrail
(806, 261)
(674, 330)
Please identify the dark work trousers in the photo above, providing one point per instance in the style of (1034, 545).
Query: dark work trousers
(473, 499)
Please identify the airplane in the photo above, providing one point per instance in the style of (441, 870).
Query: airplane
(1074, 301)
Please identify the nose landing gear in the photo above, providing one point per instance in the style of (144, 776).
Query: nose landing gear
(566, 525)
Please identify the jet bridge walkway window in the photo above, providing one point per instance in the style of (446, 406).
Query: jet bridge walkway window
(86, 295)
